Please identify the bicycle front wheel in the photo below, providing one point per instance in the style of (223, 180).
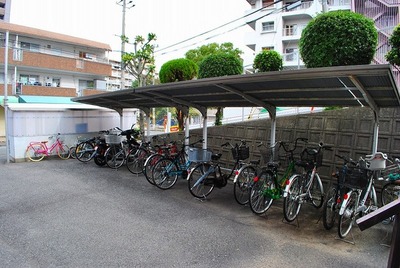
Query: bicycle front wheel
(149, 165)
(291, 204)
(63, 151)
(165, 173)
(201, 181)
(329, 208)
(390, 193)
(115, 156)
(72, 152)
(34, 152)
(241, 188)
(317, 191)
(135, 160)
(85, 151)
(346, 220)
(261, 192)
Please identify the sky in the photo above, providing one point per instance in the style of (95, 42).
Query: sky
(172, 21)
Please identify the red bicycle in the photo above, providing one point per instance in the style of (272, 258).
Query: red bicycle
(37, 150)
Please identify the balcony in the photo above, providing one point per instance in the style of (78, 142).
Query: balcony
(38, 60)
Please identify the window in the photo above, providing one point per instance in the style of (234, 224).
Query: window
(30, 46)
(28, 79)
(290, 30)
(291, 54)
(268, 26)
(266, 3)
(267, 48)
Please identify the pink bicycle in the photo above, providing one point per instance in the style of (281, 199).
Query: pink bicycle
(37, 150)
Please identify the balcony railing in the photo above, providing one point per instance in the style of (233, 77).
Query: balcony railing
(304, 5)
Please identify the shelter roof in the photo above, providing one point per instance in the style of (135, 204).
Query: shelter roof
(360, 85)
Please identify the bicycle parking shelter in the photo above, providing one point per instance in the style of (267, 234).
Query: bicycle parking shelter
(370, 86)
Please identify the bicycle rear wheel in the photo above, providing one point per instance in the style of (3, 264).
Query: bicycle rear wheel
(72, 152)
(115, 156)
(291, 205)
(135, 160)
(329, 208)
(201, 181)
(63, 151)
(241, 188)
(85, 151)
(316, 191)
(346, 220)
(34, 152)
(260, 193)
(165, 173)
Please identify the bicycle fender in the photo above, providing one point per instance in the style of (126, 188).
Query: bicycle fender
(286, 190)
(190, 172)
(344, 203)
(237, 173)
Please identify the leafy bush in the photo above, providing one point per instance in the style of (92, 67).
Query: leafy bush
(268, 60)
(393, 56)
(178, 70)
(220, 64)
(338, 38)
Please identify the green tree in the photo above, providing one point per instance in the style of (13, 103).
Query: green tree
(393, 56)
(268, 60)
(178, 70)
(141, 62)
(199, 53)
(216, 65)
(338, 38)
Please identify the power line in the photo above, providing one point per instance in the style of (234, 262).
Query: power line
(221, 26)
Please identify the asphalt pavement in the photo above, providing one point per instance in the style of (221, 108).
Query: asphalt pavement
(63, 213)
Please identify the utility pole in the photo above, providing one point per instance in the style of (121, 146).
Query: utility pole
(124, 6)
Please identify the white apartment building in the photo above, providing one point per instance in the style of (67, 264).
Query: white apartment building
(278, 25)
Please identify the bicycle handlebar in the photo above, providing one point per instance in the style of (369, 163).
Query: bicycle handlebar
(347, 159)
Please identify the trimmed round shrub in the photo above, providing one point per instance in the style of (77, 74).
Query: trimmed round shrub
(393, 56)
(221, 64)
(338, 38)
(268, 60)
(178, 70)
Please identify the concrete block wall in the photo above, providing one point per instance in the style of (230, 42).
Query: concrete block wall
(349, 131)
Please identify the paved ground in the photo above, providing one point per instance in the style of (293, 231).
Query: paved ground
(68, 214)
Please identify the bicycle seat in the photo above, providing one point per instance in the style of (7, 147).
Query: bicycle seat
(44, 141)
(273, 165)
(216, 157)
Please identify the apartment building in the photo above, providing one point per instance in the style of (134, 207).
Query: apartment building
(280, 24)
(5, 6)
(44, 63)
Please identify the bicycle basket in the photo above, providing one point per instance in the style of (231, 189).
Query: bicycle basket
(353, 177)
(240, 153)
(311, 156)
(113, 139)
(199, 155)
(269, 154)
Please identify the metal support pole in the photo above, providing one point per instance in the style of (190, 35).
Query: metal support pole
(123, 44)
(6, 97)
(205, 132)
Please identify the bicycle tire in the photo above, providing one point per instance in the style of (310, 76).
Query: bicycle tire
(241, 187)
(99, 160)
(200, 186)
(259, 199)
(63, 151)
(32, 152)
(317, 191)
(291, 205)
(85, 151)
(165, 173)
(114, 156)
(347, 219)
(135, 160)
(390, 192)
(329, 209)
(72, 152)
(148, 167)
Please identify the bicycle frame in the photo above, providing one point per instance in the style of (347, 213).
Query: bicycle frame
(48, 150)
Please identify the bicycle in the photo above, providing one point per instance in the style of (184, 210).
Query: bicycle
(136, 157)
(306, 186)
(391, 189)
(168, 168)
(361, 197)
(36, 151)
(207, 174)
(334, 196)
(269, 185)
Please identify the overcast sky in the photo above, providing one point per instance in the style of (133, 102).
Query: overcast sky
(171, 20)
